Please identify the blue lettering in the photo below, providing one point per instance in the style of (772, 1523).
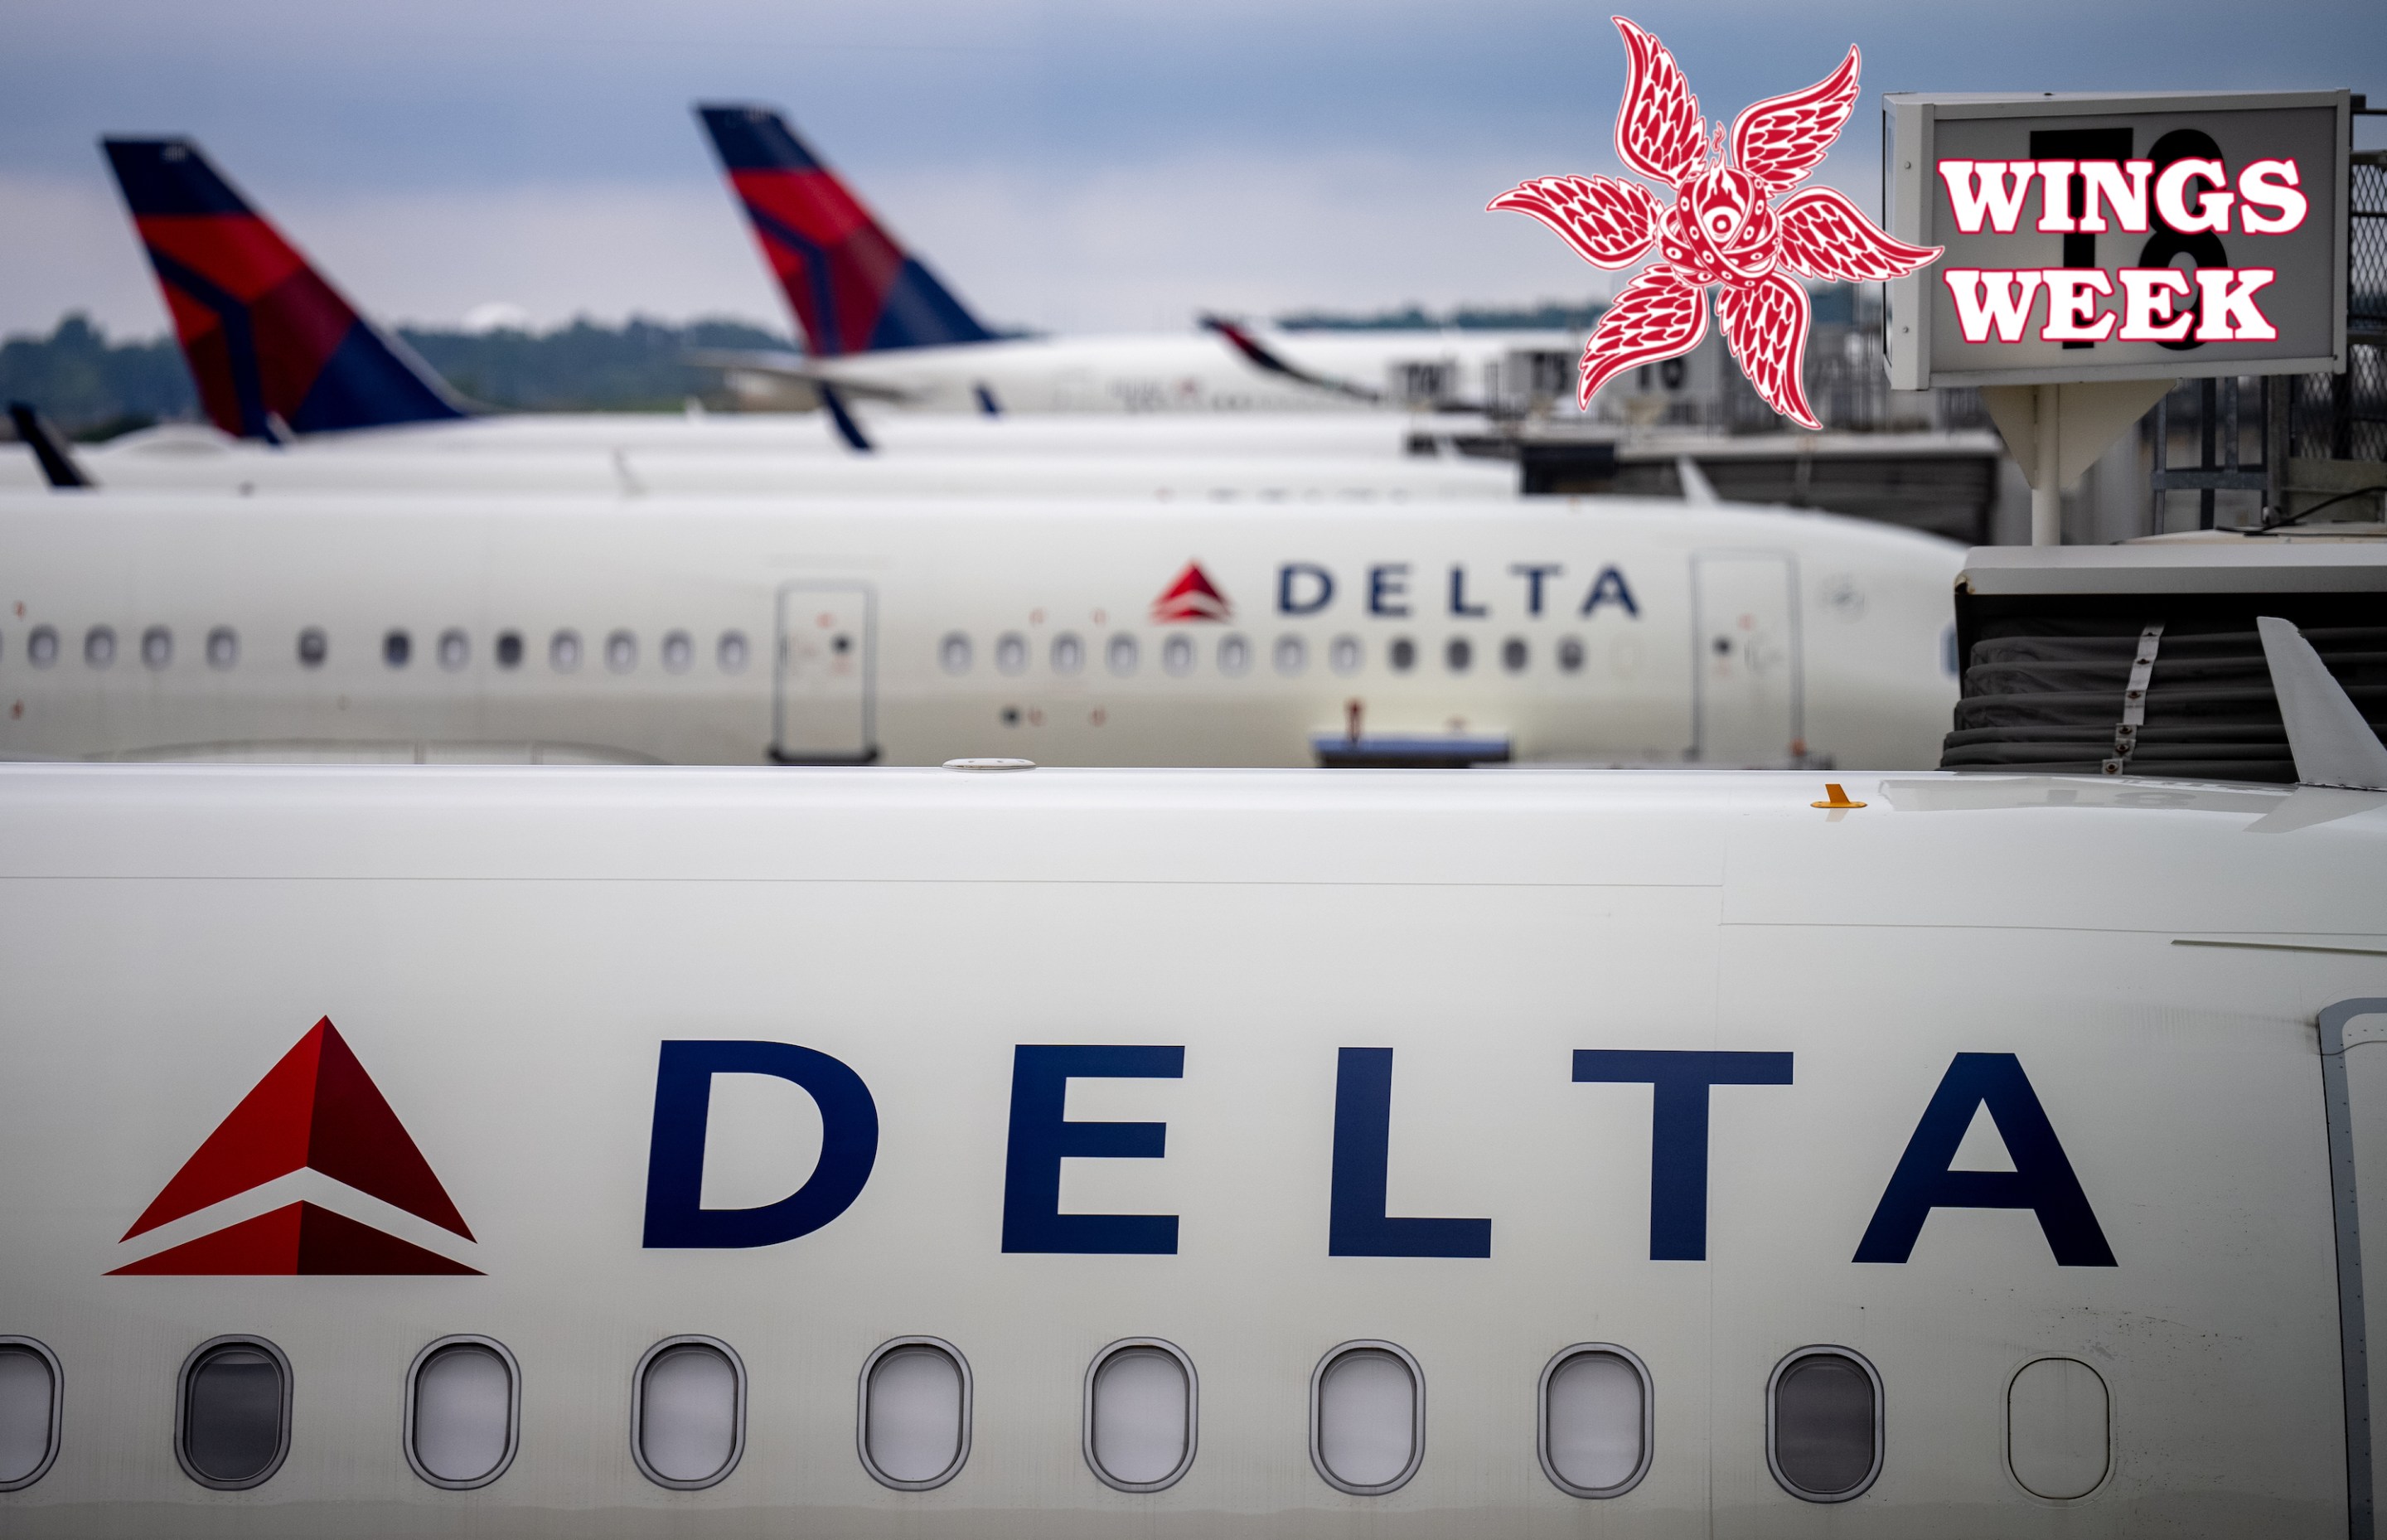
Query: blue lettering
(1678, 1129)
(1388, 589)
(1321, 590)
(676, 1215)
(2042, 1180)
(1534, 572)
(1458, 605)
(1610, 587)
(1363, 1133)
(1040, 1139)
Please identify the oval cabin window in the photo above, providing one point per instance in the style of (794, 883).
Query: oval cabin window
(1823, 1422)
(915, 1413)
(2058, 1428)
(1177, 656)
(690, 1415)
(463, 1408)
(953, 653)
(157, 647)
(29, 1412)
(99, 646)
(1121, 654)
(678, 652)
(1140, 1416)
(42, 647)
(1595, 1421)
(1011, 652)
(1292, 655)
(1068, 654)
(1234, 655)
(1344, 655)
(1366, 1418)
(223, 646)
(235, 1427)
(455, 650)
(564, 652)
(621, 652)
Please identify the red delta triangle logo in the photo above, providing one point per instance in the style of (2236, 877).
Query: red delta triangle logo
(316, 1110)
(1723, 231)
(1192, 597)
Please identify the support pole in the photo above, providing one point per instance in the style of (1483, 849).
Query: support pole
(2046, 492)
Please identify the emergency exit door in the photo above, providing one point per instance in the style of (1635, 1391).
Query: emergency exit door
(824, 709)
(1746, 678)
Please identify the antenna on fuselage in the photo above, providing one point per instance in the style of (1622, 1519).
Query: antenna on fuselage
(2331, 743)
(58, 463)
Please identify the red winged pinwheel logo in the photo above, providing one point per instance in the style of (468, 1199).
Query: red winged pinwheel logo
(1722, 229)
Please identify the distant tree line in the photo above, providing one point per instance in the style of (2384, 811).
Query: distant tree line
(95, 389)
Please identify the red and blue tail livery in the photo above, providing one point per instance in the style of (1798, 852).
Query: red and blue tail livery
(273, 348)
(852, 286)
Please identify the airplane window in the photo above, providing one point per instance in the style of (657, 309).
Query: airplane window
(99, 646)
(1011, 652)
(1458, 653)
(313, 647)
(1823, 1424)
(732, 652)
(42, 647)
(621, 652)
(463, 1410)
(223, 646)
(1402, 654)
(1177, 655)
(1595, 1421)
(397, 648)
(1121, 654)
(678, 652)
(1366, 1418)
(2058, 1429)
(235, 1427)
(510, 649)
(564, 652)
(1140, 1416)
(1513, 654)
(455, 650)
(1292, 655)
(157, 647)
(688, 1412)
(1068, 654)
(1345, 654)
(1234, 655)
(915, 1413)
(1570, 654)
(29, 1412)
(953, 653)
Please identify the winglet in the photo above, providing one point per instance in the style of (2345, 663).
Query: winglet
(50, 452)
(2332, 744)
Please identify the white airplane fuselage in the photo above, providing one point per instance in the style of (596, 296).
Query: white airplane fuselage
(1075, 1154)
(721, 630)
(1191, 372)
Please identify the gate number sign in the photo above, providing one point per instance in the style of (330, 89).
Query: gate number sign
(2117, 237)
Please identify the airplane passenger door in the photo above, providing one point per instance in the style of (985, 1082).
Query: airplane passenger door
(823, 711)
(1746, 677)
(2353, 1087)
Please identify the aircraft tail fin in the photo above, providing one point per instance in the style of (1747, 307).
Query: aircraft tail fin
(273, 348)
(852, 286)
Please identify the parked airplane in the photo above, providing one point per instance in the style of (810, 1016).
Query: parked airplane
(913, 1152)
(728, 631)
(878, 324)
(203, 461)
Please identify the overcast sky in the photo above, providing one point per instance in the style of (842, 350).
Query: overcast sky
(1063, 166)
